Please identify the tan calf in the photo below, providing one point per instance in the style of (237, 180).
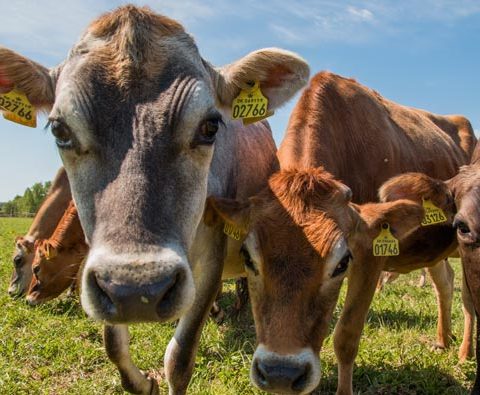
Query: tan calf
(57, 259)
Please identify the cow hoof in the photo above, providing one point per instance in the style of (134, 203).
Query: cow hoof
(438, 347)
(464, 355)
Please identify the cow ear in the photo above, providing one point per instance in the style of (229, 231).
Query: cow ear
(280, 75)
(403, 216)
(419, 187)
(233, 212)
(28, 76)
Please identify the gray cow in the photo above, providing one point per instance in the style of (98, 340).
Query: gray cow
(142, 123)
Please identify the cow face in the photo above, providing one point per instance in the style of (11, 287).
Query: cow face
(465, 187)
(301, 235)
(136, 114)
(54, 269)
(22, 267)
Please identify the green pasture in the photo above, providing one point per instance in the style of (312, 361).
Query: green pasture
(56, 349)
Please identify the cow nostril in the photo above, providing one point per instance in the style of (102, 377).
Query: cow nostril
(36, 287)
(300, 382)
(101, 291)
(36, 269)
(260, 371)
(168, 299)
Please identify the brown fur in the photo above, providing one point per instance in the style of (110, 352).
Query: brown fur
(363, 140)
(131, 35)
(343, 124)
(58, 258)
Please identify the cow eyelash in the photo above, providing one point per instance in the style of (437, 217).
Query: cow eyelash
(342, 266)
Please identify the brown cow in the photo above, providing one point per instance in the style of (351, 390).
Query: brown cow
(363, 140)
(42, 227)
(57, 259)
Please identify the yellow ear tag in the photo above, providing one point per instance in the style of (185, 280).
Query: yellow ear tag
(232, 231)
(433, 214)
(250, 105)
(17, 108)
(385, 244)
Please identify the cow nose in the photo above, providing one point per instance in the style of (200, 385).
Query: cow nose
(283, 378)
(125, 292)
(36, 269)
(285, 374)
(150, 300)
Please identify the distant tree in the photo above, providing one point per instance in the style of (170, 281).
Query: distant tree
(29, 203)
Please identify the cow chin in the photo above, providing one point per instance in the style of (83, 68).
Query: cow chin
(297, 373)
(127, 288)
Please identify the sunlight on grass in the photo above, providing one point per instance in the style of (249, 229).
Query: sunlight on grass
(55, 349)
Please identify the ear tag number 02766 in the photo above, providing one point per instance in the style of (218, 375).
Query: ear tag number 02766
(232, 231)
(17, 108)
(433, 214)
(385, 244)
(250, 105)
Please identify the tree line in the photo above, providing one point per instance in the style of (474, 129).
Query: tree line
(28, 204)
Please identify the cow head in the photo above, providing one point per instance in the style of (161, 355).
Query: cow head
(54, 269)
(465, 187)
(136, 113)
(301, 234)
(22, 266)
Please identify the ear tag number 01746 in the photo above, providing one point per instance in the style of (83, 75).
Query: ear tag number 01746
(250, 105)
(433, 214)
(17, 108)
(232, 231)
(385, 244)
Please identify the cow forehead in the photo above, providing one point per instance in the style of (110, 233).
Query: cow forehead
(134, 44)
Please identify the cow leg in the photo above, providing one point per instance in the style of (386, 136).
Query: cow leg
(117, 340)
(361, 288)
(181, 351)
(476, 385)
(442, 277)
(466, 349)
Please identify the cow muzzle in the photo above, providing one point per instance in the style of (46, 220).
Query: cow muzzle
(136, 288)
(285, 374)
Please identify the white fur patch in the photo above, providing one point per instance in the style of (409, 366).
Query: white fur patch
(334, 257)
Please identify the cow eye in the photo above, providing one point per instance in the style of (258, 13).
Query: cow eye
(249, 264)
(461, 227)
(17, 260)
(342, 266)
(36, 270)
(208, 130)
(62, 134)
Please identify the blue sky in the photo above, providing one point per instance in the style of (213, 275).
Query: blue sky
(421, 53)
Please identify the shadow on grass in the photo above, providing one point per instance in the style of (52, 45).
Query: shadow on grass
(400, 319)
(66, 306)
(403, 380)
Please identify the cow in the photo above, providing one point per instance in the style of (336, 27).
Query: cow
(57, 259)
(301, 232)
(143, 126)
(43, 225)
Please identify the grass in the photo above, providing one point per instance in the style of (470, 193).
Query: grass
(56, 349)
